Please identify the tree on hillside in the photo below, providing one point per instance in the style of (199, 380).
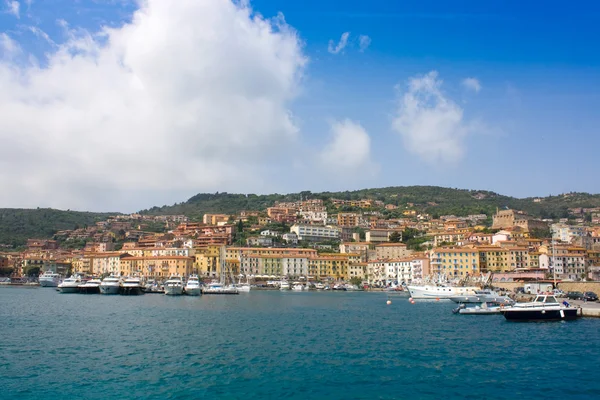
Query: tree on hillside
(395, 237)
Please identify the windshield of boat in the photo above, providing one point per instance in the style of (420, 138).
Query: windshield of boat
(551, 299)
(540, 299)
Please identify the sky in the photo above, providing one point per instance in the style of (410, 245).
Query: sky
(121, 105)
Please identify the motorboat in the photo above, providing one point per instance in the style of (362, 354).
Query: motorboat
(153, 287)
(319, 286)
(440, 292)
(219, 288)
(174, 286)
(284, 285)
(243, 287)
(479, 309)
(49, 279)
(70, 285)
(90, 287)
(339, 286)
(131, 286)
(543, 308)
(110, 285)
(483, 296)
(192, 286)
(297, 287)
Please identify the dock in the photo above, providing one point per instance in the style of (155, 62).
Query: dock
(588, 309)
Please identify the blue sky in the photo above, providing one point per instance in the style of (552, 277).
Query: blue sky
(531, 128)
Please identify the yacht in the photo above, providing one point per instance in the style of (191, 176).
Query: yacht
(284, 285)
(90, 287)
(70, 285)
(319, 286)
(440, 292)
(218, 288)
(192, 287)
(483, 296)
(49, 279)
(543, 308)
(174, 286)
(243, 287)
(110, 285)
(131, 286)
(297, 287)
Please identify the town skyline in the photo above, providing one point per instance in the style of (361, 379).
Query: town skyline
(123, 105)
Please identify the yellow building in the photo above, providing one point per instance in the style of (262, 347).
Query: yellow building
(160, 267)
(206, 260)
(455, 261)
(329, 266)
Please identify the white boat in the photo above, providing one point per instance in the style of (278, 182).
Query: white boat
(110, 285)
(70, 285)
(297, 287)
(218, 288)
(284, 285)
(319, 286)
(192, 286)
(49, 279)
(90, 287)
(132, 286)
(483, 296)
(543, 308)
(243, 287)
(479, 309)
(440, 292)
(174, 286)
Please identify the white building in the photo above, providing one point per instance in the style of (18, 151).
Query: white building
(567, 233)
(314, 216)
(295, 266)
(315, 233)
(290, 238)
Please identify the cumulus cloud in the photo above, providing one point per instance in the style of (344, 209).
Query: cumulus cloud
(431, 125)
(472, 84)
(341, 45)
(189, 96)
(363, 42)
(12, 7)
(349, 149)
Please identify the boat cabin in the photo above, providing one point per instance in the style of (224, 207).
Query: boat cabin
(546, 299)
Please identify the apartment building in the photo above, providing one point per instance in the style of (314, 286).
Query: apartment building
(315, 233)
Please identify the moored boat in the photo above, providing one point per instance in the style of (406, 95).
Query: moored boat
(218, 288)
(483, 296)
(110, 285)
(70, 285)
(90, 287)
(49, 279)
(543, 308)
(284, 285)
(479, 309)
(131, 286)
(440, 292)
(192, 286)
(174, 286)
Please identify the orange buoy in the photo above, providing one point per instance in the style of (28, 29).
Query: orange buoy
(388, 302)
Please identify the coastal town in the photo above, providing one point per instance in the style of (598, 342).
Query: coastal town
(308, 240)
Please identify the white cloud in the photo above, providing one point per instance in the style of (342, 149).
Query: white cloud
(9, 48)
(341, 45)
(41, 34)
(431, 124)
(472, 84)
(349, 150)
(190, 96)
(13, 8)
(363, 42)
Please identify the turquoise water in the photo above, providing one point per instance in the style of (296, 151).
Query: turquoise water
(283, 345)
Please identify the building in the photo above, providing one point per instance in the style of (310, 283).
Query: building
(290, 238)
(160, 267)
(349, 219)
(215, 219)
(567, 233)
(387, 251)
(511, 218)
(282, 214)
(315, 233)
(380, 235)
(260, 241)
(329, 267)
(455, 261)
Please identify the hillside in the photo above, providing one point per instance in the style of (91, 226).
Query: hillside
(431, 199)
(17, 225)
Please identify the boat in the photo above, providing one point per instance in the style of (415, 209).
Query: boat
(110, 285)
(174, 286)
(297, 287)
(483, 296)
(70, 285)
(219, 288)
(319, 286)
(153, 287)
(49, 279)
(90, 287)
(440, 291)
(543, 308)
(479, 309)
(243, 287)
(192, 286)
(284, 285)
(131, 286)
(339, 286)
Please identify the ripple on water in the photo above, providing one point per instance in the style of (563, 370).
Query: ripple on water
(273, 345)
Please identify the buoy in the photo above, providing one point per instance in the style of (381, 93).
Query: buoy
(437, 299)
(562, 314)
(412, 302)
(388, 302)
(410, 299)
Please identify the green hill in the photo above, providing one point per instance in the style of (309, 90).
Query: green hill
(17, 225)
(431, 199)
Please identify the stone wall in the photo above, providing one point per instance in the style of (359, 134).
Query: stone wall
(580, 287)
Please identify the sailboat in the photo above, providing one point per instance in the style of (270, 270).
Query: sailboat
(244, 287)
(221, 287)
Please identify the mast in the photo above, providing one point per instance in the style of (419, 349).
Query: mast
(553, 257)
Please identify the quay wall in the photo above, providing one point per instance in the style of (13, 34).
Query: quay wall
(564, 286)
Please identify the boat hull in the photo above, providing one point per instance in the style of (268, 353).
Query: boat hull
(440, 292)
(89, 289)
(195, 291)
(564, 314)
(131, 290)
(174, 290)
(220, 291)
(48, 283)
(68, 289)
(109, 289)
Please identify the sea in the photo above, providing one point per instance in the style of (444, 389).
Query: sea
(292, 345)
